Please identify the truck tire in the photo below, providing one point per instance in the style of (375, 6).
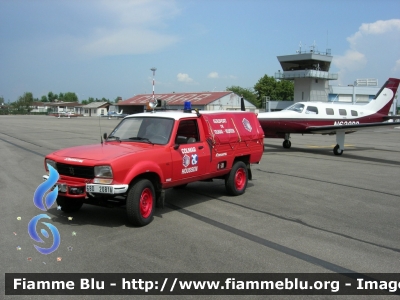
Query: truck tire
(69, 204)
(140, 203)
(236, 182)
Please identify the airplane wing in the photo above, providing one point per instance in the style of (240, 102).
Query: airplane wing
(392, 117)
(348, 128)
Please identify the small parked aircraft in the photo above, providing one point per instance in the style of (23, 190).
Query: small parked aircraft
(67, 114)
(331, 117)
(113, 114)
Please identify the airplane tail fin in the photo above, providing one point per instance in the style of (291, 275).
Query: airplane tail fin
(384, 98)
(120, 113)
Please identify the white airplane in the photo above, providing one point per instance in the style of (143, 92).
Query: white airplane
(66, 114)
(113, 114)
(330, 117)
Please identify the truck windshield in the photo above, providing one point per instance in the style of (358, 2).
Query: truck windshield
(144, 130)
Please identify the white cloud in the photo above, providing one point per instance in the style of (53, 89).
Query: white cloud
(130, 27)
(149, 12)
(182, 77)
(213, 75)
(374, 51)
(377, 28)
(397, 66)
(351, 60)
(127, 41)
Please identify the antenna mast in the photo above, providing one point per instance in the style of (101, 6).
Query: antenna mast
(152, 104)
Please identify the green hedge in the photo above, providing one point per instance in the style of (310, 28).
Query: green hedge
(20, 112)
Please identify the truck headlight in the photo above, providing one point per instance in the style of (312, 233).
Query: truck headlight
(103, 174)
(51, 163)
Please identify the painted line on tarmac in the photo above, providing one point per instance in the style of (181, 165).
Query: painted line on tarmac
(298, 221)
(272, 245)
(23, 148)
(329, 182)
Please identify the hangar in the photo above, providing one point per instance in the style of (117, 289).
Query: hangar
(175, 101)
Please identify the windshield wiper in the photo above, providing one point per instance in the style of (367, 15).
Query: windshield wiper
(141, 139)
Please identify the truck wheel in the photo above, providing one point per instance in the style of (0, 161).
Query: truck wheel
(236, 182)
(140, 203)
(69, 204)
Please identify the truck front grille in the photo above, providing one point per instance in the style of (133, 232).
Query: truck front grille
(75, 171)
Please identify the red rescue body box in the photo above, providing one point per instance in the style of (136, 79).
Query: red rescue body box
(233, 134)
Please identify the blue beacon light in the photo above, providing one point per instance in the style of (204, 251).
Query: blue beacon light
(187, 106)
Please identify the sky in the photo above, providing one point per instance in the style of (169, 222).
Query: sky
(99, 49)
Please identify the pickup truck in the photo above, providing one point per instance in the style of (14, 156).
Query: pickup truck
(148, 153)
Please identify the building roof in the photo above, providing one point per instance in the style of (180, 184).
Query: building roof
(95, 104)
(61, 103)
(177, 115)
(176, 98)
(39, 103)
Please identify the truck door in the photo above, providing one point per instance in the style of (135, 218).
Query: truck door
(191, 157)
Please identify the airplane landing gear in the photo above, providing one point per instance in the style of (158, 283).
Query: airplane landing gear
(337, 150)
(287, 144)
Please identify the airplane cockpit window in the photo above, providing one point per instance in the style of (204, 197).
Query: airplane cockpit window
(312, 110)
(298, 107)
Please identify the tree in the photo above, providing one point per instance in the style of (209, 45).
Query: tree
(285, 90)
(44, 99)
(276, 90)
(52, 96)
(69, 97)
(24, 101)
(247, 94)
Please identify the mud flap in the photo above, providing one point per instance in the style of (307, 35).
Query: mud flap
(250, 176)
(161, 199)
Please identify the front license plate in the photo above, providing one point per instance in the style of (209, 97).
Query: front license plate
(102, 189)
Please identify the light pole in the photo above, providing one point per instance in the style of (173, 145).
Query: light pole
(154, 102)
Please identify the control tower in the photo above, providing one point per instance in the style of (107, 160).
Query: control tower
(310, 72)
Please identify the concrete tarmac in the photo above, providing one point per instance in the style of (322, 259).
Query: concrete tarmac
(305, 211)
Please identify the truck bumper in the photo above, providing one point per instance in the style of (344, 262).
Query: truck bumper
(75, 189)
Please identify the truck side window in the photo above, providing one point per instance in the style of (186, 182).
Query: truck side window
(187, 132)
